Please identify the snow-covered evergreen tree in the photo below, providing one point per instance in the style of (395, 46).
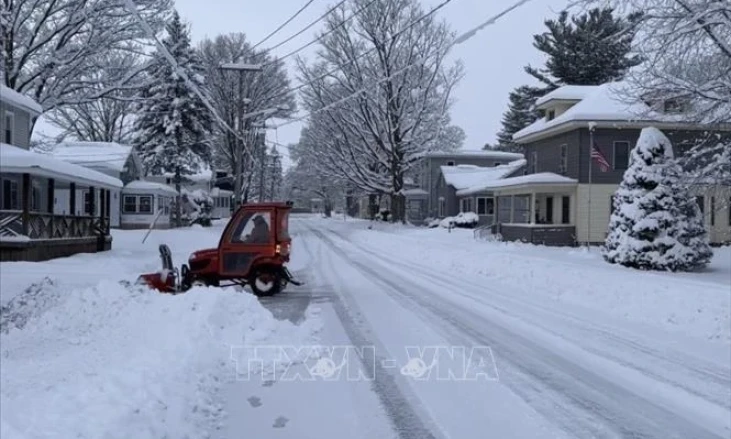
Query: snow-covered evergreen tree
(656, 223)
(587, 49)
(173, 123)
(519, 115)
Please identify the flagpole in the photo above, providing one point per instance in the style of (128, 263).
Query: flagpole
(591, 159)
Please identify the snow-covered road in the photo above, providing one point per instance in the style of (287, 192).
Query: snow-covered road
(398, 333)
(548, 369)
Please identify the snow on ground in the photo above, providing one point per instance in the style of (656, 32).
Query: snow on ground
(696, 304)
(83, 356)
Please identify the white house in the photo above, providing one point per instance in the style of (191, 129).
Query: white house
(145, 202)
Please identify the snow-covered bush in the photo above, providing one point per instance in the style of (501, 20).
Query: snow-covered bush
(656, 223)
(466, 220)
(199, 207)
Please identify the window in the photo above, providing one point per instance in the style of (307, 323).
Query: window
(713, 211)
(9, 127)
(486, 206)
(166, 205)
(564, 165)
(36, 196)
(611, 205)
(621, 155)
(254, 228)
(450, 163)
(504, 205)
(442, 206)
(550, 114)
(701, 204)
(549, 210)
(521, 209)
(534, 162)
(466, 204)
(87, 203)
(674, 106)
(565, 210)
(10, 195)
(129, 204)
(145, 205)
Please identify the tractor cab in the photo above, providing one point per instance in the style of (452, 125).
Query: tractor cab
(253, 250)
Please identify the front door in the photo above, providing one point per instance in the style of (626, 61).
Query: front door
(250, 235)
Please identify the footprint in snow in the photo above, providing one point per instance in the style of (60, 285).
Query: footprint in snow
(255, 401)
(268, 383)
(280, 422)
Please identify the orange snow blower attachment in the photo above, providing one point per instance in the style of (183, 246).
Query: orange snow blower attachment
(253, 250)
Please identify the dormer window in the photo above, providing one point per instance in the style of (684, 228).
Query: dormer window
(550, 114)
(450, 163)
(674, 106)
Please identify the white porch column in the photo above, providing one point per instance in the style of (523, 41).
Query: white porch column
(533, 208)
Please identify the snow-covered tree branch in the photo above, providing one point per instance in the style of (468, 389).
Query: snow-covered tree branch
(397, 56)
(54, 50)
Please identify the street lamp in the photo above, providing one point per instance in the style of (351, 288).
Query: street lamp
(238, 168)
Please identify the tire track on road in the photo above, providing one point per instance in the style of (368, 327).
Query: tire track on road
(603, 408)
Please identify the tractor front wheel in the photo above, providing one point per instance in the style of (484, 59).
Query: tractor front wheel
(266, 282)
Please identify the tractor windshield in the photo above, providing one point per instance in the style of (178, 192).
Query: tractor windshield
(254, 228)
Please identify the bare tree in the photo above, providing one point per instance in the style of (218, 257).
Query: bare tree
(262, 91)
(380, 93)
(106, 119)
(53, 50)
(687, 48)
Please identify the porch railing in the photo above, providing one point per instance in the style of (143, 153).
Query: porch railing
(50, 226)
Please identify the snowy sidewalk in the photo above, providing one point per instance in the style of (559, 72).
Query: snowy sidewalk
(83, 356)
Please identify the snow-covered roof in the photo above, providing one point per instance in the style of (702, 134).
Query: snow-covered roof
(148, 186)
(202, 176)
(607, 102)
(218, 192)
(502, 155)
(523, 180)
(18, 160)
(14, 98)
(567, 93)
(468, 176)
(108, 155)
(415, 192)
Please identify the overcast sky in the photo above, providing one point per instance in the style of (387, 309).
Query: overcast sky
(494, 58)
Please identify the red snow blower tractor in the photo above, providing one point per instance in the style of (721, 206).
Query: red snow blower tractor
(253, 250)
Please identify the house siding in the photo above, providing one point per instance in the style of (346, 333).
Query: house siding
(548, 151)
(432, 177)
(21, 126)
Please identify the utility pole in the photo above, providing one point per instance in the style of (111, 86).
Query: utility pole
(240, 146)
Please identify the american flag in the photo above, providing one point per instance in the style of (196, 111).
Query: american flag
(600, 159)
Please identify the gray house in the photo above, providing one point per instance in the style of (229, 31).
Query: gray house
(555, 202)
(30, 226)
(431, 173)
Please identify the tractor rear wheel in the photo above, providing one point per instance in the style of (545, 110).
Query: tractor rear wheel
(266, 281)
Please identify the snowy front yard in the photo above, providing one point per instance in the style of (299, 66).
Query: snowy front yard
(84, 356)
(696, 304)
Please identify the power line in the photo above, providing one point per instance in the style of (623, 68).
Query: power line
(396, 35)
(459, 40)
(341, 24)
(283, 24)
(308, 26)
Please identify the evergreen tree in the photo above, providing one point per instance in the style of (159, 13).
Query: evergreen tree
(656, 223)
(520, 114)
(173, 123)
(590, 49)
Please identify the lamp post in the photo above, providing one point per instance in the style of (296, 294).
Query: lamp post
(239, 150)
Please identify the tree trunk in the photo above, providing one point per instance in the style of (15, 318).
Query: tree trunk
(179, 204)
(398, 208)
(372, 206)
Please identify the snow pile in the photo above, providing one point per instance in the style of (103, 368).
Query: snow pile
(656, 223)
(117, 362)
